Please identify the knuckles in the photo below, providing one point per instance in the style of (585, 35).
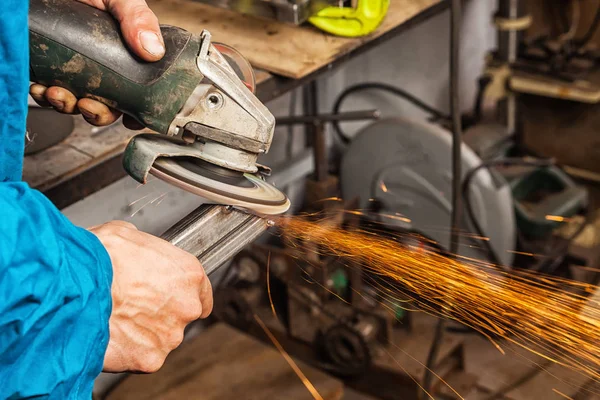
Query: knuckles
(150, 362)
(175, 338)
(191, 310)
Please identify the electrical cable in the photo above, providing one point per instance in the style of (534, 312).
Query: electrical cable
(466, 185)
(575, 18)
(482, 85)
(455, 25)
(386, 88)
(585, 39)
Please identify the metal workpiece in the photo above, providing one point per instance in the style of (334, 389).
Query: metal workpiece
(216, 233)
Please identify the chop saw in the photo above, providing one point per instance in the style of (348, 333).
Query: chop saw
(210, 127)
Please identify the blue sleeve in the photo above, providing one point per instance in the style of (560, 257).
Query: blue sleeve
(14, 83)
(55, 300)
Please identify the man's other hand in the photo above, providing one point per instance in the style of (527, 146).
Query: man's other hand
(157, 291)
(141, 32)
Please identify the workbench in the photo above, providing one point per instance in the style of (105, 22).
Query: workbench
(284, 56)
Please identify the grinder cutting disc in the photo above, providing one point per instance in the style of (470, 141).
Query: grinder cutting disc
(221, 185)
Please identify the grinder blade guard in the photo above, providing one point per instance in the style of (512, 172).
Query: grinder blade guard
(212, 145)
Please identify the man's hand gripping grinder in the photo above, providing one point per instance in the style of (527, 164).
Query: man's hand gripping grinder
(198, 98)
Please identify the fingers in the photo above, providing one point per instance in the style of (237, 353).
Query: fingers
(206, 297)
(96, 113)
(124, 224)
(38, 93)
(65, 102)
(140, 27)
(61, 99)
(112, 225)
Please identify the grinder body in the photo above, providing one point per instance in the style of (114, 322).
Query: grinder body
(81, 49)
(194, 95)
(198, 97)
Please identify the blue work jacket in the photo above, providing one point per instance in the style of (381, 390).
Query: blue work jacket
(55, 277)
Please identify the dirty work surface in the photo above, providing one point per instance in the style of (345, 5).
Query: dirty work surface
(279, 48)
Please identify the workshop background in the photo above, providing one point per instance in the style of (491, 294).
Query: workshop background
(537, 222)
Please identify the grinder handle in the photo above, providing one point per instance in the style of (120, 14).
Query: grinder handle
(80, 48)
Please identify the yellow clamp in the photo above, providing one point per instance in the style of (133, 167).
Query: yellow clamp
(351, 22)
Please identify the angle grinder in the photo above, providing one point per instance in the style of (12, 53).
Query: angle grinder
(210, 127)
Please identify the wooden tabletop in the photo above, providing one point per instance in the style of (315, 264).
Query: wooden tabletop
(285, 56)
(283, 49)
(223, 363)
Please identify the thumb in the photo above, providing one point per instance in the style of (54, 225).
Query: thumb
(140, 28)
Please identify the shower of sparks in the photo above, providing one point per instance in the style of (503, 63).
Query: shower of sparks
(156, 200)
(548, 316)
(305, 381)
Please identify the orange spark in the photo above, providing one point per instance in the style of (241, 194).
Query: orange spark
(521, 253)
(269, 284)
(396, 217)
(561, 394)
(410, 376)
(307, 383)
(557, 218)
(135, 201)
(383, 187)
(330, 199)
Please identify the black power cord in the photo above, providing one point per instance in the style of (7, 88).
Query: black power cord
(585, 39)
(493, 257)
(455, 25)
(383, 87)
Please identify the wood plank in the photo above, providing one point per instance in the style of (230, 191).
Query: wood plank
(85, 147)
(284, 49)
(222, 363)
